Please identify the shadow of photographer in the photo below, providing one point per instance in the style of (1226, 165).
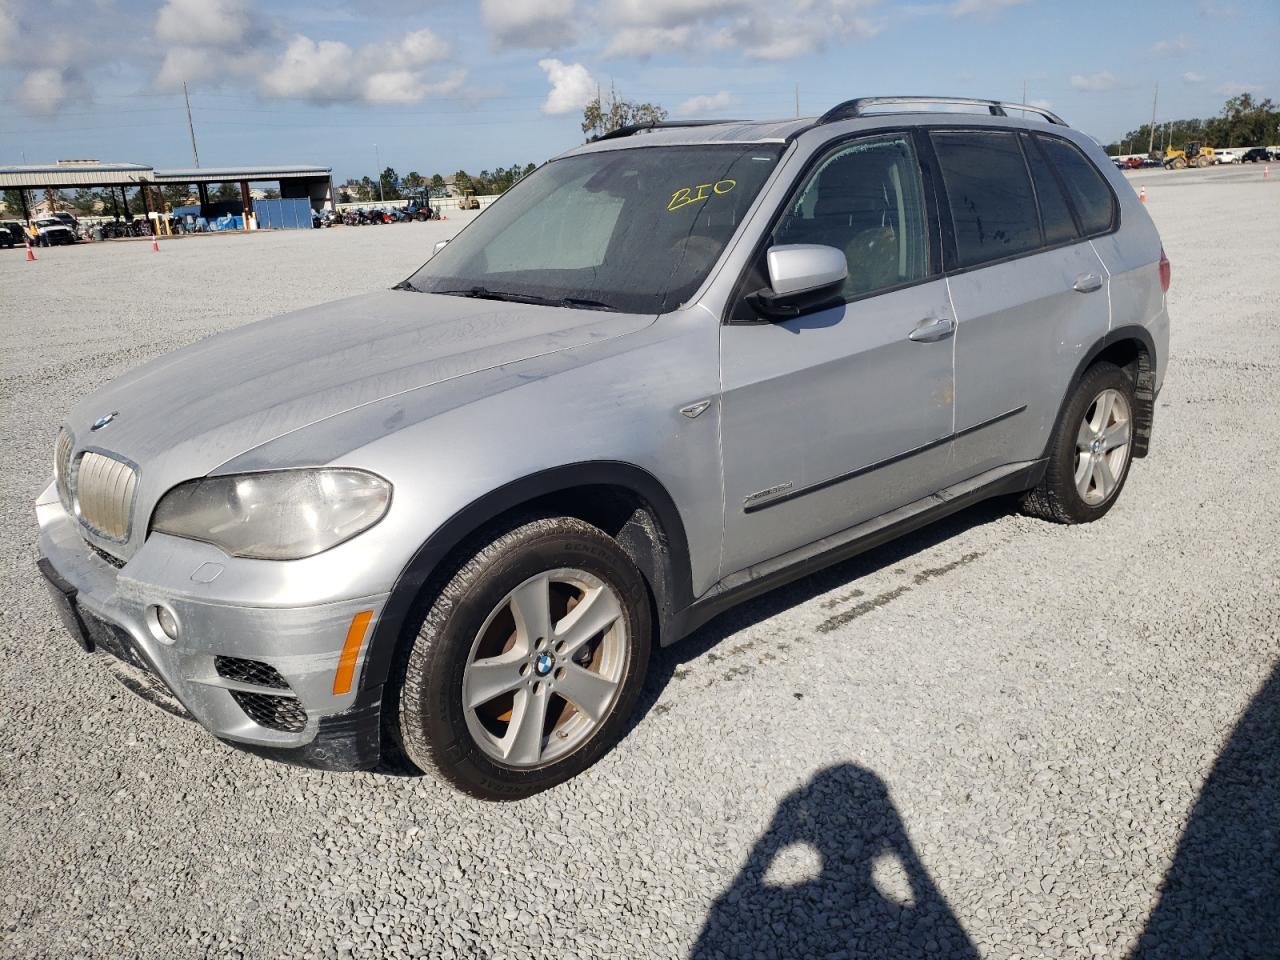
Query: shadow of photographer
(1221, 896)
(867, 896)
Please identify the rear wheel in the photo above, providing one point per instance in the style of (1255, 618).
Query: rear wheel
(529, 661)
(1091, 450)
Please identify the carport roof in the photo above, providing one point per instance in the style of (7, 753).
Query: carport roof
(283, 171)
(88, 173)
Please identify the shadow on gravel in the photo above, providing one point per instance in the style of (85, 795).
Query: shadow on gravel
(667, 660)
(1221, 897)
(872, 897)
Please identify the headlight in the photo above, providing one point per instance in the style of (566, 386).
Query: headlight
(279, 515)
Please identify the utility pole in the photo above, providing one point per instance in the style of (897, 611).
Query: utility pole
(191, 126)
(797, 100)
(1024, 91)
(1152, 138)
(377, 159)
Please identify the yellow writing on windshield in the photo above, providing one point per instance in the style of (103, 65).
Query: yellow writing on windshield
(687, 195)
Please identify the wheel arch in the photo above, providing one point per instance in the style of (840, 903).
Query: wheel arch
(626, 501)
(1132, 349)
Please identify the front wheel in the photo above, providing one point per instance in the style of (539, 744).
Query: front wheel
(1091, 450)
(528, 663)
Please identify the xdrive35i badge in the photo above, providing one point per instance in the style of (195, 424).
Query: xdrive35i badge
(103, 421)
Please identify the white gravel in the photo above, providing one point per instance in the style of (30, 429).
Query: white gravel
(984, 740)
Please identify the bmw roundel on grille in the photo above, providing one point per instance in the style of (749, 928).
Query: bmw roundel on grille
(103, 421)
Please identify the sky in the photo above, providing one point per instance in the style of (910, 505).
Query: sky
(435, 86)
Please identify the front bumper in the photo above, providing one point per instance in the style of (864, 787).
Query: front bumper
(298, 645)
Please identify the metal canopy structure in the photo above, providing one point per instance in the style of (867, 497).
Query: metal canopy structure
(280, 172)
(297, 180)
(71, 174)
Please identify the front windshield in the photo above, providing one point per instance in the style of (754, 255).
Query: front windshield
(634, 230)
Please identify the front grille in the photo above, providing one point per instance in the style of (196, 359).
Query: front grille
(62, 467)
(269, 710)
(104, 489)
(250, 671)
(279, 711)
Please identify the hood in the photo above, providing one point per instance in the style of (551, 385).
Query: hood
(202, 405)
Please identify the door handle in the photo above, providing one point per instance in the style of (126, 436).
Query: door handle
(932, 329)
(1087, 283)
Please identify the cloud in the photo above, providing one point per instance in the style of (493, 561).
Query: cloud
(1094, 82)
(572, 87)
(546, 24)
(759, 29)
(330, 71)
(1042, 104)
(1217, 11)
(705, 104)
(1192, 77)
(204, 23)
(642, 42)
(8, 30)
(1171, 48)
(1233, 87)
(667, 13)
(982, 8)
(44, 91)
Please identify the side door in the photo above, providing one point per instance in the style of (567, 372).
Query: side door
(843, 413)
(1030, 294)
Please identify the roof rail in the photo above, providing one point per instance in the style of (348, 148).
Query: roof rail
(857, 108)
(654, 125)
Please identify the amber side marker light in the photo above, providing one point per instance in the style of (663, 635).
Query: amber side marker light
(351, 652)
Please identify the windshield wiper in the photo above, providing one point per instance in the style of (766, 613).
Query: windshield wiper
(484, 293)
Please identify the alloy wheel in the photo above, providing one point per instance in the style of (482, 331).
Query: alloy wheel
(546, 668)
(1103, 444)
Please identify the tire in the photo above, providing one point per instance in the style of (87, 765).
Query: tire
(1088, 465)
(474, 640)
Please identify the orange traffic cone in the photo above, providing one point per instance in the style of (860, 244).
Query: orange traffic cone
(1142, 194)
(31, 254)
(155, 244)
(1266, 173)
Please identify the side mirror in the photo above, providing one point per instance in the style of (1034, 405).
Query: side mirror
(438, 247)
(801, 275)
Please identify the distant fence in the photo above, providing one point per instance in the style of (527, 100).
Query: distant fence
(440, 203)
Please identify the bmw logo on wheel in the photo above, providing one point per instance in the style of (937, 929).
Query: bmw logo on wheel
(543, 664)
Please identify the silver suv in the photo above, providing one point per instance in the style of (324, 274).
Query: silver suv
(441, 527)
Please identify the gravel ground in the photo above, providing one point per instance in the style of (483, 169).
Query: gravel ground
(996, 738)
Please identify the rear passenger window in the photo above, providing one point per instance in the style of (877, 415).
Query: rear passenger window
(1089, 192)
(992, 206)
(1054, 212)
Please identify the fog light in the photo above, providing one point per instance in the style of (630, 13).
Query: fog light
(164, 625)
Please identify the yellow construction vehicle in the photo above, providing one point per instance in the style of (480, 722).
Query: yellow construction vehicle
(468, 201)
(1195, 154)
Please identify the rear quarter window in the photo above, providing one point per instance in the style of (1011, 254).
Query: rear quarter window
(1090, 195)
(993, 208)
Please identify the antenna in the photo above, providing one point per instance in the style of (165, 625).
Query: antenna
(191, 126)
(1151, 138)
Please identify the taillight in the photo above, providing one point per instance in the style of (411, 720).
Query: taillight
(1164, 271)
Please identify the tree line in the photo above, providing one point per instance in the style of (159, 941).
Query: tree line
(392, 186)
(107, 202)
(1244, 122)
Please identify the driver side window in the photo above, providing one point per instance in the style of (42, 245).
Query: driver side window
(866, 199)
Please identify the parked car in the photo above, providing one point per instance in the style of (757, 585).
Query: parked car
(1257, 155)
(12, 233)
(51, 231)
(442, 527)
(1227, 155)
